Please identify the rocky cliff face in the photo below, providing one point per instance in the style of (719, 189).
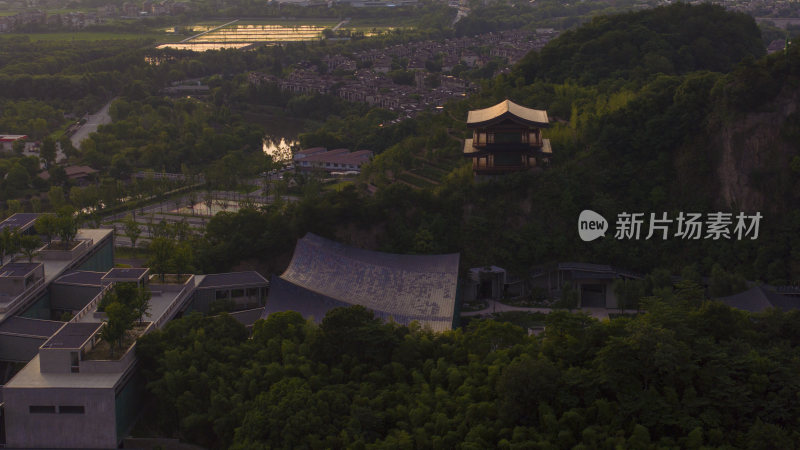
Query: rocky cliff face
(752, 156)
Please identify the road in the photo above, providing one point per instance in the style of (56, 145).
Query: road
(463, 11)
(92, 122)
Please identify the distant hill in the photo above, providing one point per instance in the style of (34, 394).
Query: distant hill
(674, 39)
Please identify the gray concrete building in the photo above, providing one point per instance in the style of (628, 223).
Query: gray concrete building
(72, 391)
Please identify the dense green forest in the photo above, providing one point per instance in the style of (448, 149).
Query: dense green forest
(675, 40)
(73, 77)
(679, 376)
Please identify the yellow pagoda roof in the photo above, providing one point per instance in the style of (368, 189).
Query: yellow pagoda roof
(504, 109)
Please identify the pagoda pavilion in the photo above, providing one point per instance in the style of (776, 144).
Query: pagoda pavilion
(507, 138)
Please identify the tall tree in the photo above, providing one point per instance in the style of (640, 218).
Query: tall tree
(120, 320)
(46, 225)
(19, 146)
(132, 229)
(141, 303)
(9, 243)
(181, 230)
(182, 258)
(208, 200)
(66, 225)
(161, 250)
(36, 204)
(48, 151)
(14, 206)
(56, 196)
(29, 244)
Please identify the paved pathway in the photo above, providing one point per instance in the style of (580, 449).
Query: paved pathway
(598, 313)
(340, 24)
(92, 122)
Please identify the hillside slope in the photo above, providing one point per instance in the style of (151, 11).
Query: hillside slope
(674, 39)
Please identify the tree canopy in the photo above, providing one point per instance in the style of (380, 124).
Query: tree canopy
(674, 39)
(676, 376)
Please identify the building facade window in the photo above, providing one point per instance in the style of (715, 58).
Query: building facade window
(42, 409)
(75, 365)
(71, 409)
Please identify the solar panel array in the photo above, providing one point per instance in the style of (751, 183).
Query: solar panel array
(401, 287)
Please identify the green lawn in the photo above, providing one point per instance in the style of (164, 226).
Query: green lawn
(382, 23)
(92, 36)
(418, 182)
(430, 172)
(338, 186)
(131, 253)
(67, 11)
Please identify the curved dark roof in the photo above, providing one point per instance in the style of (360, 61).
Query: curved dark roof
(285, 296)
(757, 299)
(248, 317)
(507, 109)
(324, 274)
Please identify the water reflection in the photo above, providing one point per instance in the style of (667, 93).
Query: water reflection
(203, 46)
(189, 29)
(279, 150)
(262, 33)
(202, 209)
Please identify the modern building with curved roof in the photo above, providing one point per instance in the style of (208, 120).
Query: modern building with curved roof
(325, 274)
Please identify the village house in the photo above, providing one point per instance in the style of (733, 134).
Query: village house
(338, 160)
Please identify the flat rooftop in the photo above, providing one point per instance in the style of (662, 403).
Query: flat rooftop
(20, 220)
(131, 274)
(31, 377)
(11, 137)
(18, 269)
(30, 327)
(82, 277)
(54, 268)
(72, 335)
(160, 303)
(232, 279)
